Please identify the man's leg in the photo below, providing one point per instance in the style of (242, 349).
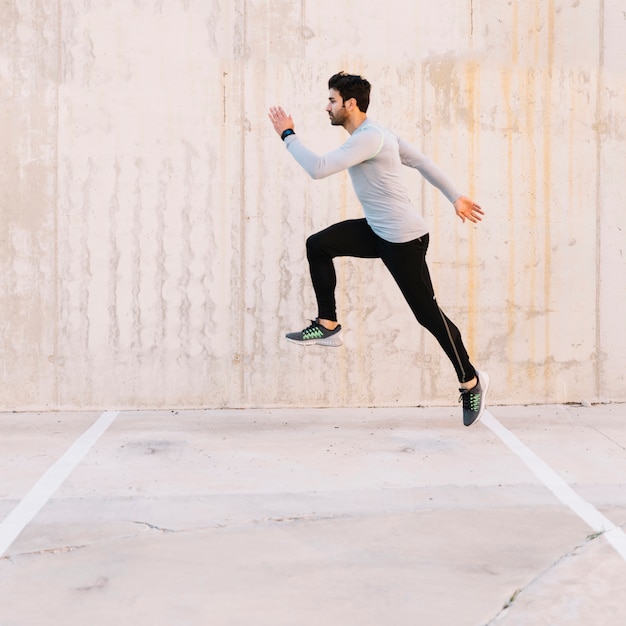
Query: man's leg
(407, 264)
(349, 238)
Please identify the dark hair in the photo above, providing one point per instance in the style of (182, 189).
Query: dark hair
(351, 86)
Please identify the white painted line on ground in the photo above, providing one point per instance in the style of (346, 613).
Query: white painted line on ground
(46, 487)
(586, 511)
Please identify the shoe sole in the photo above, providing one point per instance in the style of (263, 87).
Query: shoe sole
(332, 342)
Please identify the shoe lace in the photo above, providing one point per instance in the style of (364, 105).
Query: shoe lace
(471, 400)
(312, 330)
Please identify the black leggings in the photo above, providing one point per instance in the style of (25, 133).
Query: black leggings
(407, 264)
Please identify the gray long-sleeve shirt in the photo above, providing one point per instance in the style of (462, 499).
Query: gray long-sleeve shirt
(373, 156)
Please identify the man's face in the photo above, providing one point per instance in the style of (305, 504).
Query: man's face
(336, 108)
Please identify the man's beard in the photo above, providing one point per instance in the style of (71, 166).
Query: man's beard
(338, 120)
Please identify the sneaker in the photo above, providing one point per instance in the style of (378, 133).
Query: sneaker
(474, 399)
(317, 334)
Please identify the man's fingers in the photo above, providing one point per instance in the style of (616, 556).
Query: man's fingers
(277, 112)
(471, 215)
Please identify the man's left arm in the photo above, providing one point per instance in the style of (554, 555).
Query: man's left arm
(465, 207)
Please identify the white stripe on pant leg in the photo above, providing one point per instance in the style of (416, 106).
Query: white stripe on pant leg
(456, 352)
(47, 485)
(586, 511)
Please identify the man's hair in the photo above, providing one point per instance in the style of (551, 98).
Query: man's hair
(351, 86)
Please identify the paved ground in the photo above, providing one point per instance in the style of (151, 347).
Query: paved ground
(366, 517)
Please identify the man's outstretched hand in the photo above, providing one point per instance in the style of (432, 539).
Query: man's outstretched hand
(467, 209)
(280, 119)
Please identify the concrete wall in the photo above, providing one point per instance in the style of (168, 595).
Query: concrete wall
(153, 226)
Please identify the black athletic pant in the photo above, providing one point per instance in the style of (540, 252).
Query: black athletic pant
(407, 264)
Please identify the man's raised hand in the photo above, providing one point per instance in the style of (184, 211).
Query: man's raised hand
(280, 120)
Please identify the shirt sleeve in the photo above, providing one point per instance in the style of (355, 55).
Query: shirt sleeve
(412, 157)
(358, 148)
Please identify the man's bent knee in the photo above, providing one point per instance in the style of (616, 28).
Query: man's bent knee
(314, 244)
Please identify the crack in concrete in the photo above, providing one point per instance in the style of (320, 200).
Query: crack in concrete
(282, 519)
(53, 551)
(619, 445)
(520, 590)
(217, 525)
(576, 416)
(159, 528)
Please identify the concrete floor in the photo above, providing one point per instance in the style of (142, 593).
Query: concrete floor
(301, 517)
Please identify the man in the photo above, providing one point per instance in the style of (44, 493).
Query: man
(391, 230)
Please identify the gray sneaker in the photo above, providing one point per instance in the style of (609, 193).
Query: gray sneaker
(317, 334)
(474, 400)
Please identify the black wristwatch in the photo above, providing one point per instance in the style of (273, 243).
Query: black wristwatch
(286, 133)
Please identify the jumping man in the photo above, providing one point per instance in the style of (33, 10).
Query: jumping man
(391, 230)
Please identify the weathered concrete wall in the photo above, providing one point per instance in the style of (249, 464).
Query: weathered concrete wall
(153, 226)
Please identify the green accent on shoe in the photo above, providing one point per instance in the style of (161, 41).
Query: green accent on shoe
(474, 400)
(315, 334)
(312, 333)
